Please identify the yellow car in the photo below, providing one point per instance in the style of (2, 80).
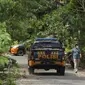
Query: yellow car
(19, 50)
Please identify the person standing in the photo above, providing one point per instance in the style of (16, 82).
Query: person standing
(76, 57)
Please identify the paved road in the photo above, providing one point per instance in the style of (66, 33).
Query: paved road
(48, 78)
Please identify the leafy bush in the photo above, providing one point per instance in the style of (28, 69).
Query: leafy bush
(10, 77)
(3, 62)
(4, 38)
(1, 82)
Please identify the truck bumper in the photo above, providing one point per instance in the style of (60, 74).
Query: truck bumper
(45, 66)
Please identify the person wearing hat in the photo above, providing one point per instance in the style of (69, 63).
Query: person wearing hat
(76, 53)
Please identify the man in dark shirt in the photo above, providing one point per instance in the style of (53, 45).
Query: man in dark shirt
(76, 57)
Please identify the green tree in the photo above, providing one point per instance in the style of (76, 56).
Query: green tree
(17, 13)
(5, 38)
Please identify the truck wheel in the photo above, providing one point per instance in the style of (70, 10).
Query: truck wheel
(58, 71)
(62, 70)
(31, 70)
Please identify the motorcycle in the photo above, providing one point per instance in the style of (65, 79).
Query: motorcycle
(70, 58)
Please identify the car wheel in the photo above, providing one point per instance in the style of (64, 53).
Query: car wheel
(20, 53)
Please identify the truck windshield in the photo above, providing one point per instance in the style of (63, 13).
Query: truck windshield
(47, 45)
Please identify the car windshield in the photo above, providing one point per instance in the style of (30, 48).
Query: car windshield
(47, 45)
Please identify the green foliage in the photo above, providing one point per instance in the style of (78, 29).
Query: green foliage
(54, 24)
(1, 82)
(3, 62)
(10, 82)
(5, 38)
(18, 16)
(10, 77)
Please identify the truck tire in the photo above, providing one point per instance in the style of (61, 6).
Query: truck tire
(31, 70)
(61, 71)
(58, 71)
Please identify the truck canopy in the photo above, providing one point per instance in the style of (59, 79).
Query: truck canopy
(46, 45)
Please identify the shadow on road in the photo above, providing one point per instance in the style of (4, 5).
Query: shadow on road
(47, 74)
(67, 76)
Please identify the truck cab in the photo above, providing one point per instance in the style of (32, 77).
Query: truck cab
(46, 53)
